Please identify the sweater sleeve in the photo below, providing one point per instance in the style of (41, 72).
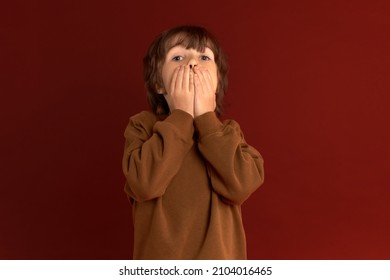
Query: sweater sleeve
(154, 151)
(235, 168)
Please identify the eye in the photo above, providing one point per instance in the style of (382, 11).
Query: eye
(205, 57)
(177, 58)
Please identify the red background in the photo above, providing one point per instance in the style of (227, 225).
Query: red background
(309, 84)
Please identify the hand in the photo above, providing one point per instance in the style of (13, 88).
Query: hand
(204, 92)
(181, 92)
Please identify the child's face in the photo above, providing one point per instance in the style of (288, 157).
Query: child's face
(179, 55)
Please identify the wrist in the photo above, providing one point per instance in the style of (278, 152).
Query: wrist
(187, 109)
(201, 113)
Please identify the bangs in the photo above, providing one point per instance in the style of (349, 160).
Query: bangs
(190, 39)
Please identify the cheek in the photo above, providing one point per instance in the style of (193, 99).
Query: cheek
(166, 75)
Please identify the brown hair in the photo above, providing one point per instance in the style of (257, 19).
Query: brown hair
(190, 37)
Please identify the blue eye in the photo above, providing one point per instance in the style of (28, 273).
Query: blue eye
(177, 58)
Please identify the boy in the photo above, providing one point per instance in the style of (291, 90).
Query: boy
(187, 172)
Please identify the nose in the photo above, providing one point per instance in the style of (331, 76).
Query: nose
(192, 61)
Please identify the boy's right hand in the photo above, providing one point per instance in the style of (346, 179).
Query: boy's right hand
(181, 92)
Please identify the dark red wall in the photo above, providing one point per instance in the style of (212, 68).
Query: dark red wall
(309, 84)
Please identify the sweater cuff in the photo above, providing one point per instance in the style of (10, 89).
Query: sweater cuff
(207, 123)
(182, 120)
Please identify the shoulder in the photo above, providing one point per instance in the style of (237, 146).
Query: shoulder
(141, 122)
(143, 117)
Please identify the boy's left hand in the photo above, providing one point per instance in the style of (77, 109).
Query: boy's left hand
(204, 92)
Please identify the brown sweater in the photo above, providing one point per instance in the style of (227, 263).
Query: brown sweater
(187, 179)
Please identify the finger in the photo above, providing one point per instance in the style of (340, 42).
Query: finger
(202, 80)
(208, 85)
(191, 82)
(179, 79)
(197, 84)
(210, 81)
(207, 80)
(174, 78)
(186, 78)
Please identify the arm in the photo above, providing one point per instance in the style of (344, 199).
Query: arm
(154, 151)
(235, 168)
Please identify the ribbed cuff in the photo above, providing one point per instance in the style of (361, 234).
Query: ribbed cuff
(207, 123)
(181, 120)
